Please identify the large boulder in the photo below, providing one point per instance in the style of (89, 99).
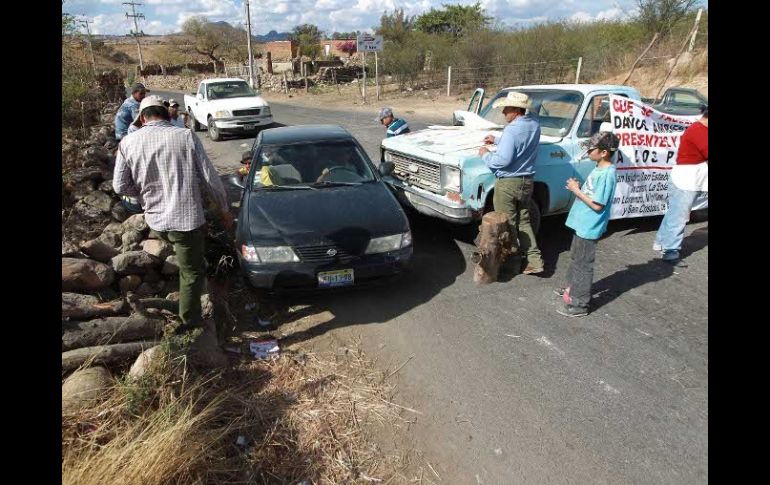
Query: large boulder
(129, 283)
(115, 228)
(68, 249)
(134, 262)
(158, 248)
(82, 174)
(150, 289)
(111, 239)
(81, 190)
(85, 387)
(131, 239)
(147, 361)
(170, 266)
(99, 250)
(85, 275)
(136, 222)
(99, 200)
(119, 213)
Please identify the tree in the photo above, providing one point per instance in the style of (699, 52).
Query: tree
(344, 35)
(348, 47)
(395, 27)
(457, 20)
(662, 15)
(214, 40)
(308, 37)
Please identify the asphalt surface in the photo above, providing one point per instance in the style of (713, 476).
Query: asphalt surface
(508, 390)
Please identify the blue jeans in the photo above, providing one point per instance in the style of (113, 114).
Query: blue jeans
(671, 231)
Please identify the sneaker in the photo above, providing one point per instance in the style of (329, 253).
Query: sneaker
(670, 255)
(572, 311)
(657, 247)
(533, 269)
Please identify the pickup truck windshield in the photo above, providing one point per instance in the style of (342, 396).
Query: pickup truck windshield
(231, 89)
(324, 163)
(556, 110)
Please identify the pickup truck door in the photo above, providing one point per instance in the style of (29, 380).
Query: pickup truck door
(596, 111)
(474, 106)
(200, 98)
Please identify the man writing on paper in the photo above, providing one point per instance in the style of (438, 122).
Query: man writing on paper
(514, 167)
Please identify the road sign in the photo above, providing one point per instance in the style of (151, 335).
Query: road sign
(369, 43)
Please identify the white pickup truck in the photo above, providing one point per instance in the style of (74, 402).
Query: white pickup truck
(227, 105)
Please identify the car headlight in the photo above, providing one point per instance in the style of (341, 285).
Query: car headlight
(266, 111)
(389, 243)
(274, 254)
(223, 114)
(450, 178)
(388, 156)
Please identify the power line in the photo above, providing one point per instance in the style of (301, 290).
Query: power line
(136, 33)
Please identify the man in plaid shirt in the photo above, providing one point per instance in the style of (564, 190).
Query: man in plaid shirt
(167, 166)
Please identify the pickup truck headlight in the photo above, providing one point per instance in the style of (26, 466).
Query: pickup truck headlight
(389, 243)
(223, 114)
(450, 178)
(388, 157)
(266, 111)
(274, 254)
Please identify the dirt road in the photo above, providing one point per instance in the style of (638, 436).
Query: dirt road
(507, 390)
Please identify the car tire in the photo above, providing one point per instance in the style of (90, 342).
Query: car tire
(195, 125)
(214, 133)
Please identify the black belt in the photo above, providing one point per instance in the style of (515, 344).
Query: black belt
(515, 177)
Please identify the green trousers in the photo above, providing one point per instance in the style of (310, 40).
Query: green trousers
(189, 247)
(512, 196)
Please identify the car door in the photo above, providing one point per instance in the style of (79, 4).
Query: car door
(474, 106)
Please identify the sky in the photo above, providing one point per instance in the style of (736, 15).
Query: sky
(167, 16)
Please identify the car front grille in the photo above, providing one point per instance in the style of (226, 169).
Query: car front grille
(323, 254)
(246, 112)
(426, 175)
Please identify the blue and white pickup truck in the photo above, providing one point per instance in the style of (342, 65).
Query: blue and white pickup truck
(438, 170)
(227, 105)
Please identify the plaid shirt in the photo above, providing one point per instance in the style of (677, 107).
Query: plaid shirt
(166, 166)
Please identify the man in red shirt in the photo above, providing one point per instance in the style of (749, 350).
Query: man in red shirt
(689, 179)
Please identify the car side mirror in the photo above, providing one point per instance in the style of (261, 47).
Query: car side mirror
(236, 181)
(457, 119)
(386, 168)
(246, 156)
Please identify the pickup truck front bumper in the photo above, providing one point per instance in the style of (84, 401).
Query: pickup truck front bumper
(430, 204)
(241, 123)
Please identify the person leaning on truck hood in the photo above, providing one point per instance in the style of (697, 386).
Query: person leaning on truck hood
(394, 126)
(514, 167)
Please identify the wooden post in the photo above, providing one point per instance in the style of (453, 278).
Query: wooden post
(638, 59)
(376, 76)
(577, 74)
(676, 60)
(306, 78)
(334, 76)
(448, 80)
(494, 247)
(215, 66)
(285, 84)
(364, 87)
(269, 62)
(697, 22)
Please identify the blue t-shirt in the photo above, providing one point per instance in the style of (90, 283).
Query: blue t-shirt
(600, 187)
(397, 127)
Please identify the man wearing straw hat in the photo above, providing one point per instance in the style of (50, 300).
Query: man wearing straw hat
(513, 164)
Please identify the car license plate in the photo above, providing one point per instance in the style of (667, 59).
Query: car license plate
(330, 279)
(249, 127)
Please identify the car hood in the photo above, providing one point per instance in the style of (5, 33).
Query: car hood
(237, 103)
(446, 144)
(347, 216)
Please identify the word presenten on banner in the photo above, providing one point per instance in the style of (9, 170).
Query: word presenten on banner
(649, 141)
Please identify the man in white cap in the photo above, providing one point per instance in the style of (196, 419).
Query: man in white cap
(514, 167)
(129, 110)
(167, 167)
(394, 126)
(173, 111)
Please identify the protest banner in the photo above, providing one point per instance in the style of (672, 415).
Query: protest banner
(649, 141)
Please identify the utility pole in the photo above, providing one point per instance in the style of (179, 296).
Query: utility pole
(248, 45)
(136, 33)
(90, 46)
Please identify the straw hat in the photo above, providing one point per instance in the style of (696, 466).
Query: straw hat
(515, 99)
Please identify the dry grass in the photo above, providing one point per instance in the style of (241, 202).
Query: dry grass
(303, 417)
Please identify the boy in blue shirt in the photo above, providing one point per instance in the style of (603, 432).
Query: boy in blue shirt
(588, 217)
(394, 126)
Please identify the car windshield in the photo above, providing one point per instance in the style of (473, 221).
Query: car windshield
(229, 89)
(554, 109)
(316, 164)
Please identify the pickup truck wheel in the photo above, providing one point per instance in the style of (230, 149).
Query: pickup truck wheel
(214, 133)
(195, 125)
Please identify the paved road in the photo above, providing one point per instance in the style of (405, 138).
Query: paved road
(511, 392)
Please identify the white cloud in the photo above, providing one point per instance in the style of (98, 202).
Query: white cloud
(581, 17)
(610, 14)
